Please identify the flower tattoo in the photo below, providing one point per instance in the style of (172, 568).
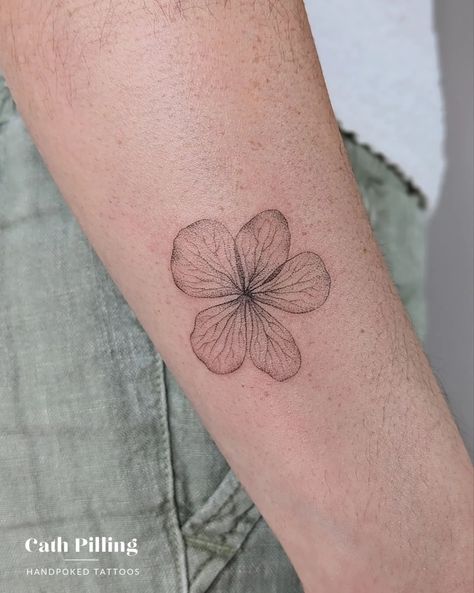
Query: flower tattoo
(253, 272)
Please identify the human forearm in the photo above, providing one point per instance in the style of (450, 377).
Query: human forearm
(152, 120)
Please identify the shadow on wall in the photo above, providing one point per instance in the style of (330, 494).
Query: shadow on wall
(450, 238)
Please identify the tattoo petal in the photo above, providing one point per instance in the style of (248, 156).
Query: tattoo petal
(301, 285)
(262, 245)
(219, 336)
(271, 346)
(203, 260)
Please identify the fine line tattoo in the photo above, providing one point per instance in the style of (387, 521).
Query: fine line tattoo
(252, 272)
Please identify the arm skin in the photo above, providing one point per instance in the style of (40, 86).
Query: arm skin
(152, 115)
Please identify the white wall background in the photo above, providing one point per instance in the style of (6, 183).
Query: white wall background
(450, 272)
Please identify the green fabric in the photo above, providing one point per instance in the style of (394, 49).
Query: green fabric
(397, 217)
(97, 438)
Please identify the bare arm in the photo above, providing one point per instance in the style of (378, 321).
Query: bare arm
(155, 115)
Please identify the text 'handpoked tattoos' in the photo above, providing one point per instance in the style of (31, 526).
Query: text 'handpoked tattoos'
(253, 272)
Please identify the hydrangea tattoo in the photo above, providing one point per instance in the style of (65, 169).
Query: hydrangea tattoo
(253, 272)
